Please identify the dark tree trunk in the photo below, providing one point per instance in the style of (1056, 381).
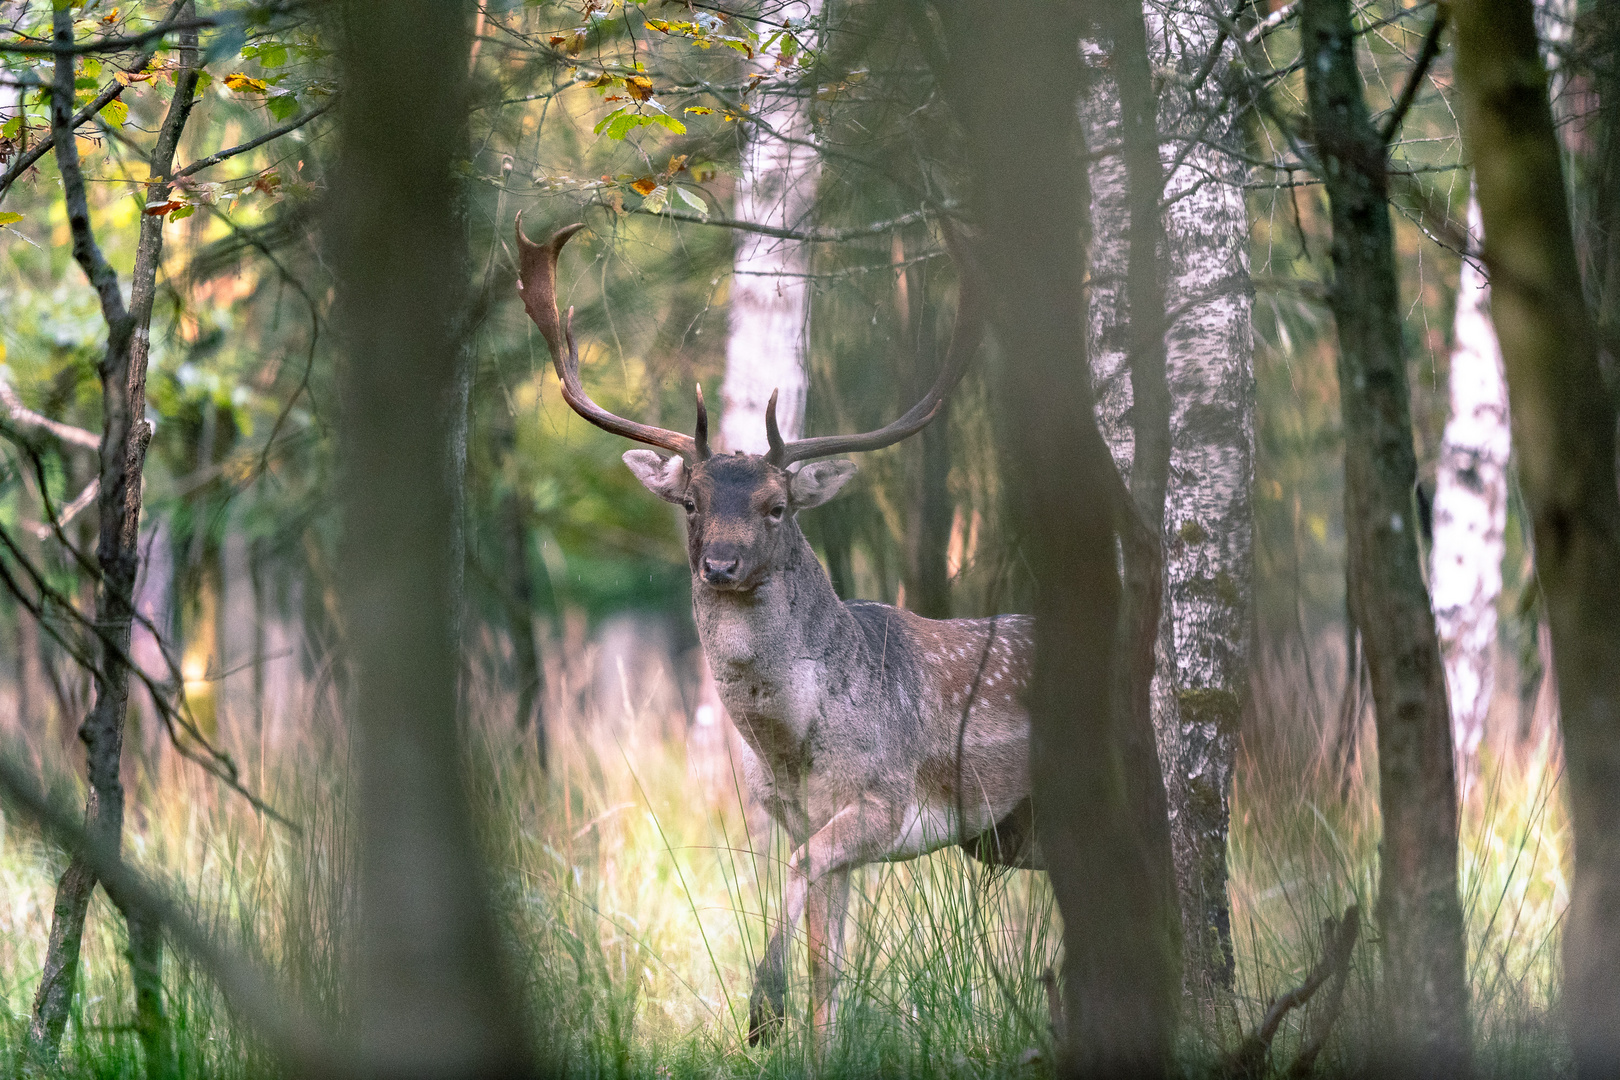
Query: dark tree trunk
(1564, 437)
(1014, 91)
(435, 995)
(124, 438)
(1419, 913)
(928, 583)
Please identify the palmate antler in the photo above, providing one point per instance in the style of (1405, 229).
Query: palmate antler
(537, 282)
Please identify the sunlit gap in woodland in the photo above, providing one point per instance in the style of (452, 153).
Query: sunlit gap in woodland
(809, 537)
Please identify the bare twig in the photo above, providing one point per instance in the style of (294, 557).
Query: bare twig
(108, 44)
(1271, 22)
(23, 416)
(815, 235)
(1339, 936)
(1420, 69)
(70, 511)
(253, 144)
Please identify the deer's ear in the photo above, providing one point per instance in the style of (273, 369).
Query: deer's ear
(664, 478)
(819, 481)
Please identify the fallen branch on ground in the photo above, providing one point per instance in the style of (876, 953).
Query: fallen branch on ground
(1339, 936)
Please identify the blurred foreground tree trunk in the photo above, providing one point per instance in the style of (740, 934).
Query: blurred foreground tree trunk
(928, 496)
(1564, 435)
(514, 514)
(1419, 912)
(1013, 74)
(125, 436)
(1192, 481)
(435, 995)
(1470, 512)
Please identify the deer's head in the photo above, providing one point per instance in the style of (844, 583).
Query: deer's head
(739, 507)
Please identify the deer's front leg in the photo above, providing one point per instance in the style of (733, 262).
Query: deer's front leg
(856, 834)
(824, 927)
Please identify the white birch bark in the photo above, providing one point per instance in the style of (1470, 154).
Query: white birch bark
(770, 287)
(1470, 512)
(768, 315)
(1202, 674)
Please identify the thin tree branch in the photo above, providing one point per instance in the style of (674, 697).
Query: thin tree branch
(1223, 31)
(1271, 22)
(292, 1034)
(815, 235)
(23, 416)
(108, 44)
(1340, 937)
(69, 512)
(217, 763)
(253, 144)
(108, 93)
(1426, 56)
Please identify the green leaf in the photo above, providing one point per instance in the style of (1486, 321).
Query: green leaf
(655, 200)
(690, 199)
(11, 128)
(621, 122)
(182, 212)
(115, 112)
(9, 218)
(282, 106)
(273, 56)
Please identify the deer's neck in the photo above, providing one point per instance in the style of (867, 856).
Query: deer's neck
(763, 645)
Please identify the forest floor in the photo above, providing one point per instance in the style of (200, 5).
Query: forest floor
(637, 884)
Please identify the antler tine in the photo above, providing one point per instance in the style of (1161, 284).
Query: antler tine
(537, 283)
(773, 434)
(702, 439)
(965, 336)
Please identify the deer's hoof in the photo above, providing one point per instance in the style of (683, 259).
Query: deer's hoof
(766, 1005)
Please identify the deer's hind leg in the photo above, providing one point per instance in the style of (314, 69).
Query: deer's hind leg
(856, 834)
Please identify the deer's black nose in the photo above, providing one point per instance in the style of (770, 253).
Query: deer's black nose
(719, 571)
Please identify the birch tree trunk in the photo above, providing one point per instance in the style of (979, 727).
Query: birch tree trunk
(1202, 672)
(1470, 513)
(770, 289)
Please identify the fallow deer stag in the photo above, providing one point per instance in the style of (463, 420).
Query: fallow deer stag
(876, 735)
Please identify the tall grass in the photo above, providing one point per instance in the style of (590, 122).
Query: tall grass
(638, 887)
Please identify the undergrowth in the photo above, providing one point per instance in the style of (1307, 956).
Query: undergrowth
(637, 886)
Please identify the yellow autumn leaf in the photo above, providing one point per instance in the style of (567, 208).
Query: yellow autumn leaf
(646, 185)
(241, 81)
(700, 110)
(9, 218)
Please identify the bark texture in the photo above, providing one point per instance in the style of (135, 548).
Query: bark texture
(1564, 435)
(434, 995)
(1206, 337)
(1419, 914)
(124, 438)
(1012, 72)
(1470, 511)
(770, 292)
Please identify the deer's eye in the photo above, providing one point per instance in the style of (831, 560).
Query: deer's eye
(775, 513)
(691, 507)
